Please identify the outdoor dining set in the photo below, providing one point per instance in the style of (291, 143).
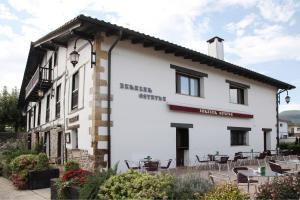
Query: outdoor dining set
(148, 165)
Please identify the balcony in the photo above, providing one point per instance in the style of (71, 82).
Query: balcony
(41, 80)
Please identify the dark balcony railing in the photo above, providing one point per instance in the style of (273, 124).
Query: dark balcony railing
(41, 79)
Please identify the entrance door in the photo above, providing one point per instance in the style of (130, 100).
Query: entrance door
(267, 140)
(59, 147)
(182, 146)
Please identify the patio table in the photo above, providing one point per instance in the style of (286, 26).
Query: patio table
(253, 173)
(252, 153)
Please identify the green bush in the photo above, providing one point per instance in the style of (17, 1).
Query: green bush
(42, 162)
(226, 192)
(72, 165)
(135, 185)
(21, 165)
(295, 148)
(91, 188)
(189, 186)
(287, 187)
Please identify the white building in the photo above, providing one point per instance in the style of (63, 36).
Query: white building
(283, 129)
(143, 96)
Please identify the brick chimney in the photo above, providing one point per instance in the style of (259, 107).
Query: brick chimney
(215, 47)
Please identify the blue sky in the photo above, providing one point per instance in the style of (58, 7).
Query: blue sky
(261, 35)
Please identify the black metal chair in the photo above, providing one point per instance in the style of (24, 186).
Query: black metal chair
(277, 168)
(202, 161)
(167, 166)
(261, 156)
(242, 179)
(223, 161)
(131, 167)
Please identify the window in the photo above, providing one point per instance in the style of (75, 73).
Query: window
(238, 92)
(74, 139)
(238, 137)
(236, 95)
(75, 85)
(57, 105)
(29, 119)
(39, 114)
(48, 108)
(34, 111)
(298, 129)
(55, 58)
(280, 124)
(187, 85)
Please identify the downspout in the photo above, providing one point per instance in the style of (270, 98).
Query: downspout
(108, 97)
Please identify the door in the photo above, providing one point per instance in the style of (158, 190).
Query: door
(267, 140)
(59, 148)
(182, 146)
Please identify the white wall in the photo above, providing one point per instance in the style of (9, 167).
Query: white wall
(142, 127)
(63, 75)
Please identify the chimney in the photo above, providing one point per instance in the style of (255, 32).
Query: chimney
(215, 47)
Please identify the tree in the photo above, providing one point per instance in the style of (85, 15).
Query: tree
(10, 114)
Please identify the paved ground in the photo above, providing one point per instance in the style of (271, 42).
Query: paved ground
(7, 191)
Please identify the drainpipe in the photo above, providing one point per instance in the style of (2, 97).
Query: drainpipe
(108, 97)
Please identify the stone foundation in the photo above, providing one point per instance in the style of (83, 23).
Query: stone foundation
(85, 160)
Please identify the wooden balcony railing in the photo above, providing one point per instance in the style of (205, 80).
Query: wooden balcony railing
(42, 77)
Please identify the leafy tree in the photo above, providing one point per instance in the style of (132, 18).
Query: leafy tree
(10, 114)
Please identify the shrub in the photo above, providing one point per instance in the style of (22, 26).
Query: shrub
(226, 192)
(71, 178)
(135, 185)
(189, 186)
(287, 187)
(42, 162)
(20, 167)
(93, 182)
(72, 165)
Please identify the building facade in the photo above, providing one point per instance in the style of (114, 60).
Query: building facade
(131, 96)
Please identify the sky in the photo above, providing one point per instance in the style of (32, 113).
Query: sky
(262, 35)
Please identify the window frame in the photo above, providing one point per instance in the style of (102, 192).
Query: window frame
(244, 138)
(242, 100)
(57, 101)
(47, 108)
(74, 91)
(189, 77)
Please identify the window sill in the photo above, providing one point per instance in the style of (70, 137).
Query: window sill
(190, 95)
(239, 104)
(246, 145)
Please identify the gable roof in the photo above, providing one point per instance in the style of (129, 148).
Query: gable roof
(87, 27)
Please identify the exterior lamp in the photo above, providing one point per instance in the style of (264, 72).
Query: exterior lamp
(40, 93)
(287, 98)
(74, 57)
(23, 113)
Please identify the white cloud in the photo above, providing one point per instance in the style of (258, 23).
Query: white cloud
(285, 107)
(5, 13)
(240, 26)
(278, 11)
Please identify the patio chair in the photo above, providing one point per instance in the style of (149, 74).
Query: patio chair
(130, 165)
(241, 179)
(223, 161)
(261, 157)
(235, 160)
(202, 161)
(277, 168)
(151, 166)
(167, 166)
(241, 156)
(218, 177)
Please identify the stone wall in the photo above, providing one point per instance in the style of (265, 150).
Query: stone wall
(85, 160)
